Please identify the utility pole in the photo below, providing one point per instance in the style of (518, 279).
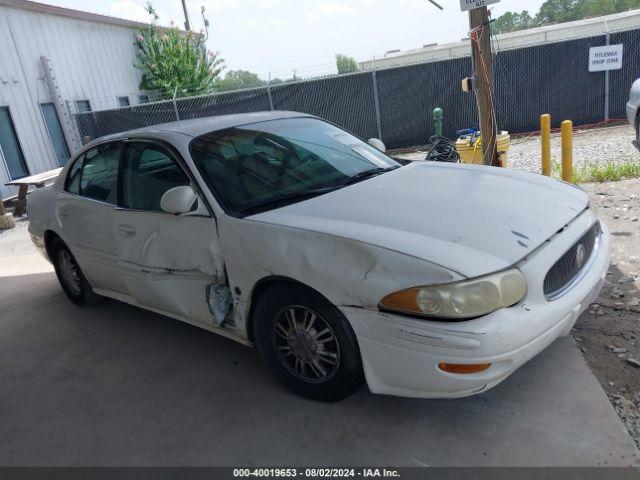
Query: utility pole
(480, 33)
(187, 25)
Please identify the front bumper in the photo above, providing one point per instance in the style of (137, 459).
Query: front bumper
(401, 355)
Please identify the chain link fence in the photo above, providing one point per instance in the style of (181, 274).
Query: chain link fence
(395, 104)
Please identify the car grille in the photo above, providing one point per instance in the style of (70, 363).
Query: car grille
(561, 275)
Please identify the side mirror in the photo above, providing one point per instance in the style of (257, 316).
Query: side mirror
(377, 143)
(178, 200)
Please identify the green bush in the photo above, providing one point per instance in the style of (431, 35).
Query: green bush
(173, 61)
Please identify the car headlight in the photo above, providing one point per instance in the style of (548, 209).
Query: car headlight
(459, 300)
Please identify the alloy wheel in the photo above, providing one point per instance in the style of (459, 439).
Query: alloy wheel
(305, 344)
(69, 272)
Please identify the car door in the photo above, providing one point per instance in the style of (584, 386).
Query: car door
(168, 260)
(85, 210)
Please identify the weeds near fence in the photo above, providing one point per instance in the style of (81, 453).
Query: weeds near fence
(608, 172)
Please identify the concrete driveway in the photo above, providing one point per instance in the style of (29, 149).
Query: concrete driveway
(116, 385)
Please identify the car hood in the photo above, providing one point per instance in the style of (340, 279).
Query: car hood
(471, 219)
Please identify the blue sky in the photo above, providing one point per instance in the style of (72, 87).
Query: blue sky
(280, 36)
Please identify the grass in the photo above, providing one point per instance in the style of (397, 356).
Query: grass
(607, 172)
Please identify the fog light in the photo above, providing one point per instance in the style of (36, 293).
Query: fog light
(462, 368)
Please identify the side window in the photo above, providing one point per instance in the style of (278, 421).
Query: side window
(148, 172)
(99, 178)
(73, 177)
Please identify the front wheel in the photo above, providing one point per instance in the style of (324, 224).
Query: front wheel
(308, 343)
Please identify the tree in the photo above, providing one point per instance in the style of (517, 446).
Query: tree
(239, 79)
(513, 21)
(174, 61)
(558, 11)
(346, 64)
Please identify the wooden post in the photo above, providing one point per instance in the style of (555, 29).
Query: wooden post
(21, 201)
(481, 50)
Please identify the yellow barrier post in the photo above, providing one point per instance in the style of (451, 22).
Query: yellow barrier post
(545, 137)
(567, 151)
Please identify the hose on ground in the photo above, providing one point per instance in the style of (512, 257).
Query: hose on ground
(442, 149)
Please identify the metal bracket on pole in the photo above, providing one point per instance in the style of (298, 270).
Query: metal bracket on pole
(376, 103)
(607, 77)
(269, 92)
(63, 114)
(74, 124)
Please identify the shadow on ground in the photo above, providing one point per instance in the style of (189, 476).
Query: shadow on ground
(116, 385)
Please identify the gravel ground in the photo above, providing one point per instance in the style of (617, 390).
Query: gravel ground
(602, 145)
(609, 332)
(16, 241)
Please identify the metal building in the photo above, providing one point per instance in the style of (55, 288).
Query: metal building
(54, 61)
(561, 32)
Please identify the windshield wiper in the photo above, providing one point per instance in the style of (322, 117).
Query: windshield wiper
(358, 177)
(287, 198)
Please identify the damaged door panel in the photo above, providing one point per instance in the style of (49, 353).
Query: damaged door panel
(170, 261)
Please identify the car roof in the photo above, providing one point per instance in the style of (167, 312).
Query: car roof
(199, 126)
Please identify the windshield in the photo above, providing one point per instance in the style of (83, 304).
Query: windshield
(269, 164)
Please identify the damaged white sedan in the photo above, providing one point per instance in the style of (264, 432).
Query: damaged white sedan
(339, 263)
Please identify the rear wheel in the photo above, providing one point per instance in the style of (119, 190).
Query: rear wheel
(308, 343)
(70, 276)
(638, 132)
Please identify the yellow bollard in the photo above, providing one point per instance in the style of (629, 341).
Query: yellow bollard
(545, 138)
(567, 151)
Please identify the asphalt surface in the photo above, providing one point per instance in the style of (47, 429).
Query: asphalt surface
(116, 385)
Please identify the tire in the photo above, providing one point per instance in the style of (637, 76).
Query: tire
(70, 276)
(319, 359)
(638, 132)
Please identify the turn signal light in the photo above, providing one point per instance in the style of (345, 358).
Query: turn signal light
(463, 368)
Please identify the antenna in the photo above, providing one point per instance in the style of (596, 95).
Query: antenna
(436, 4)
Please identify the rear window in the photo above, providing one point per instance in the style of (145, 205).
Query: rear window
(95, 174)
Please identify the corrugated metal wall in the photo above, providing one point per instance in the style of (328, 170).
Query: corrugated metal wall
(91, 61)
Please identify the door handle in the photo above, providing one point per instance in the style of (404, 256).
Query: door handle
(126, 231)
(63, 213)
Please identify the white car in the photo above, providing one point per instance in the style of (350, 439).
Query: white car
(283, 231)
(633, 109)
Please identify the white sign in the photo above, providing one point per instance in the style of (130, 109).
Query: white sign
(466, 5)
(605, 58)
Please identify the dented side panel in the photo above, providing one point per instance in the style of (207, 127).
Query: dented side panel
(347, 272)
(169, 261)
